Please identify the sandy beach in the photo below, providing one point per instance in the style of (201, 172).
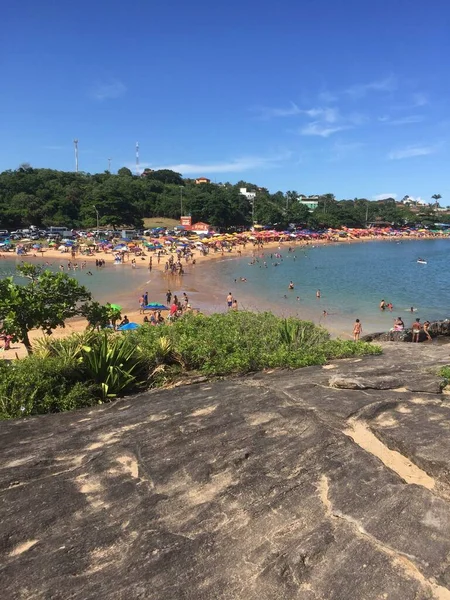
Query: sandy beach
(209, 298)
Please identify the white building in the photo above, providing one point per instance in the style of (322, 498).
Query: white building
(248, 195)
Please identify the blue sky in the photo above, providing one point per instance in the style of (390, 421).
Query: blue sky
(318, 96)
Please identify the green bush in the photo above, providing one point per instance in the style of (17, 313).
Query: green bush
(240, 342)
(84, 369)
(445, 373)
(36, 386)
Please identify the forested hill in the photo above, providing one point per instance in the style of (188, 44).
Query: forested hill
(46, 197)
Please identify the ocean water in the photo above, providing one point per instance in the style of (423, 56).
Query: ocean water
(118, 284)
(352, 278)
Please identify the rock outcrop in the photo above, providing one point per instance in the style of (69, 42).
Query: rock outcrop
(323, 483)
(436, 329)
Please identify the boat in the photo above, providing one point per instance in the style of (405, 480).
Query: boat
(421, 261)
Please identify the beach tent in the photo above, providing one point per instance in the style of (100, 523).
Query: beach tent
(128, 327)
(155, 306)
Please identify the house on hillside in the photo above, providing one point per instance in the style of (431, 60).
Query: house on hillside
(202, 180)
(250, 195)
(310, 203)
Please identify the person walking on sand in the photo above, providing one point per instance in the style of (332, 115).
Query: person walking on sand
(229, 299)
(357, 330)
(415, 330)
(234, 304)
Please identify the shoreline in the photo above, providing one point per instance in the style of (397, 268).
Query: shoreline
(208, 296)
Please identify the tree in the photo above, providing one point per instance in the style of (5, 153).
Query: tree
(100, 316)
(44, 303)
(124, 172)
(436, 198)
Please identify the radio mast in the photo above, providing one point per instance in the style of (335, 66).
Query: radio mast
(75, 143)
(137, 158)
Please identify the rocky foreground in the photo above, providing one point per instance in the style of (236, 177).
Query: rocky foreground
(324, 483)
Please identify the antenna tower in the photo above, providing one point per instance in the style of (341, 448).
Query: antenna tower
(137, 158)
(75, 143)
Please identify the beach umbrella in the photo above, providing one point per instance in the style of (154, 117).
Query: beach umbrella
(128, 327)
(115, 306)
(156, 306)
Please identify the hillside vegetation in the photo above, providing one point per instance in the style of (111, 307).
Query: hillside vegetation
(45, 197)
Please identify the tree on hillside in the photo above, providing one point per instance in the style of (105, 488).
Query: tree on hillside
(44, 303)
(436, 198)
(124, 172)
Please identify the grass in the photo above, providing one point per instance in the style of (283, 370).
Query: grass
(91, 368)
(150, 223)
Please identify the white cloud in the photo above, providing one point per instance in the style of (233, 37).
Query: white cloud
(327, 97)
(384, 196)
(329, 115)
(270, 113)
(402, 120)
(420, 99)
(107, 90)
(321, 129)
(411, 151)
(237, 165)
(389, 84)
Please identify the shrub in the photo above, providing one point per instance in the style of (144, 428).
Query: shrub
(445, 373)
(37, 385)
(112, 362)
(83, 369)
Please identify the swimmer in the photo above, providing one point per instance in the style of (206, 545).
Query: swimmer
(291, 285)
(318, 294)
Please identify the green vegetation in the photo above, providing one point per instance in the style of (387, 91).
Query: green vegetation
(44, 303)
(45, 197)
(94, 367)
(445, 373)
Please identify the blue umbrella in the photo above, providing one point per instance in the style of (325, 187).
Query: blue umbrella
(128, 327)
(156, 306)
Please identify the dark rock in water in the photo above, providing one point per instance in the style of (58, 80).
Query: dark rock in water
(323, 483)
(437, 328)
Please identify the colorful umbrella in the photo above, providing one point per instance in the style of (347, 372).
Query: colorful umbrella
(156, 306)
(128, 327)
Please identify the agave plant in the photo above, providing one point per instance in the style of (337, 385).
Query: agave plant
(68, 348)
(296, 334)
(114, 363)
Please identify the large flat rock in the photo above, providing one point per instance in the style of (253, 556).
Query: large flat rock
(323, 483)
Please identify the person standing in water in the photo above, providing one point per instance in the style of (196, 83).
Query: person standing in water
(357, 330)
(318, 294)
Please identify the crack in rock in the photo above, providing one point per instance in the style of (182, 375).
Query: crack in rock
(399, 558)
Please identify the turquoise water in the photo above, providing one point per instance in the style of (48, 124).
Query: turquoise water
(112, 283)
(353, 278)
